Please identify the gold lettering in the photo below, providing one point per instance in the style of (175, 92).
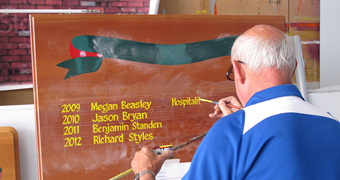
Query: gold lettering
(151, 125)
(108, 139)
(137, 138)
(185, 102)
(133, 116)
(136, 105)
(109, 128)
(105, 118)
(104, 108)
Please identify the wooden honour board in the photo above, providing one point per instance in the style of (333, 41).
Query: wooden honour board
(91, 122)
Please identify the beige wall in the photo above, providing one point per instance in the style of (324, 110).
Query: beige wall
(16, 97)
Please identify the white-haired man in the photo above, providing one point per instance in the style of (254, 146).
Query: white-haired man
(277, 135)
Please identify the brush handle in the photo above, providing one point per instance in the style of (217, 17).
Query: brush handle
(175, 148)
(122, 174)
(214, 102)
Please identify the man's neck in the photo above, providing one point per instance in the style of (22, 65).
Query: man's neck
(269, 77)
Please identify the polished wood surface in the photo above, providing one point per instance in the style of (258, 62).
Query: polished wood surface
(9, 154)
(77, 150)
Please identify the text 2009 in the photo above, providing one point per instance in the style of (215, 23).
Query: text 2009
(70, 108)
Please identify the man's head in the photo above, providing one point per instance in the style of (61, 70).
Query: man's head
(268, 59)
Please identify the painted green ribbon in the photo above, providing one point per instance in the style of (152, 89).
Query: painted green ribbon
(177, 54)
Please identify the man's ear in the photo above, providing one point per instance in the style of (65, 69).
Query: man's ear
(294, 68)
(239, 72)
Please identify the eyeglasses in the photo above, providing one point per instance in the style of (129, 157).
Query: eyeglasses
(230, 72)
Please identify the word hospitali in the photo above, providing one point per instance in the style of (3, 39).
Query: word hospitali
(185, 102)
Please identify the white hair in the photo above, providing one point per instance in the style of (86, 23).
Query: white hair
(258, 53)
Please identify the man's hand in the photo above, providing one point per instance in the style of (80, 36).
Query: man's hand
(146, 159)
(221, 109)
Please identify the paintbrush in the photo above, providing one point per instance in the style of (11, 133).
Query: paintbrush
(230, 105)
(174, 149)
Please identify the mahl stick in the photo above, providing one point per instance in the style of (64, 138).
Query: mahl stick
(174, 149)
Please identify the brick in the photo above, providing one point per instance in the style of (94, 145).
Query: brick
(17, 27)
(24, 45)
(143, 10)
(3, 72)
(18, 78)
(8, 6)
(3, 27)
(3, 52)
(37, 2)
(74, 7)
(146, 3)
(112, 10)
(4, 1)
(3, 16)
(45, 7)
(16, 16)
(17, 52)
(127, 0)
(135, 4)
(71, 3)
(26, 6)
(4, 39)
(19, 65)
(6, 20)
(8, 45)
(29, 78)
(24, 20)
(4, 65)
(10, 58)
(67, 7)
(18, 39)
(129, 10)
(18, 1)
(119, 4)
(4, 79)
(8, 33)
(54, 2)
(104, 4)
(25, 58)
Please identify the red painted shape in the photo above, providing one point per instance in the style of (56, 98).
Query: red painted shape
(75, 53)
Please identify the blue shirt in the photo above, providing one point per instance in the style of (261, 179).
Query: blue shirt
(276, 136)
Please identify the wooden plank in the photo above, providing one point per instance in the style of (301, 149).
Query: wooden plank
(259, 7)
(180, 7)
(9, 156)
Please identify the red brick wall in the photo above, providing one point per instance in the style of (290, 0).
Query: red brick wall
(15, 53)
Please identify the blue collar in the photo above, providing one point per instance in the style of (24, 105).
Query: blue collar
(274, 92)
